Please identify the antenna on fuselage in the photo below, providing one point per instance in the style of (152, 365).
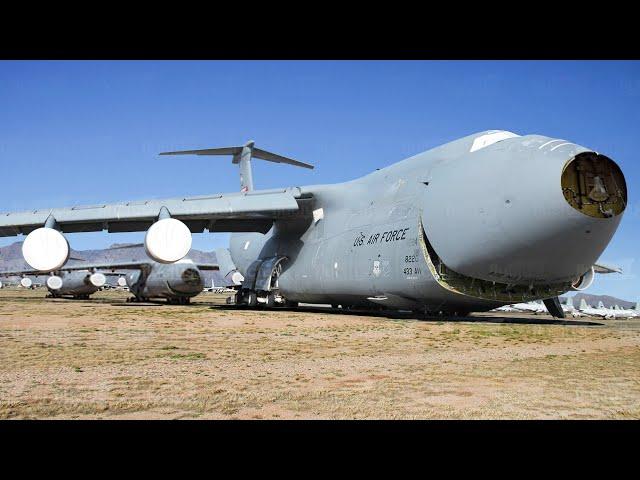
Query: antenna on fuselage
(242, 155)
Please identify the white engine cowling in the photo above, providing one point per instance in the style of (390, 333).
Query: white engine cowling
(98, 280)
(0, 284)
(45, 249)
(26, 282)
(54, 282)
(168, 240)
(584, 281)
(122, 282)
(237, 278)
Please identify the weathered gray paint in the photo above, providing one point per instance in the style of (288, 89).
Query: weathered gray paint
(157, 280)
(493, 214)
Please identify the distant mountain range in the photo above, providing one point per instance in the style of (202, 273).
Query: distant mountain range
(593, 300)
(11, 258)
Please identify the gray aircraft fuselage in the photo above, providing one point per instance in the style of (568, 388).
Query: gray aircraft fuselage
(75, 284)
(175, 282)
(462, 227)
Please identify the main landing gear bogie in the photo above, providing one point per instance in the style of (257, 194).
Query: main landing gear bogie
(253, 299)
(137, 299)
(179, 301)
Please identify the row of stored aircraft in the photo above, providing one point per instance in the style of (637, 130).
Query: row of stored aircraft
(484, 221)
(146, 279)
(582, 310)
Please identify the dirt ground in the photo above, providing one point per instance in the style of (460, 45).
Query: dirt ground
(105, 358)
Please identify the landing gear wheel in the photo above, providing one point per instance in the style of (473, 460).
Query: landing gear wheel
(252, 299)
(271, 300)
(238, 299)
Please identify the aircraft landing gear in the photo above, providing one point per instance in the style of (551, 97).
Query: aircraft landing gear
(137, 299)
(251, 299)
(179, 301)
(271, 301)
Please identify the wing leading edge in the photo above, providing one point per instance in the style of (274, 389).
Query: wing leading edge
(235, 212)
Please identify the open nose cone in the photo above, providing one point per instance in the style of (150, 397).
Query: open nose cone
(594, 185)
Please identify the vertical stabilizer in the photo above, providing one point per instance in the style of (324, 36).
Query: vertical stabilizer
(583, 304)
(244, 160)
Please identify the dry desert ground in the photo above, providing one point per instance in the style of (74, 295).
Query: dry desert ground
(105, 358)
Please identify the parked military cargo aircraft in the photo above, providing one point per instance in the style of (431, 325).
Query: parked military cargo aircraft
(490, 219)
(177, 282)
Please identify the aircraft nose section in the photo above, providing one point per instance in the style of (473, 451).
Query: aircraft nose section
(594, 185)
(522, 214)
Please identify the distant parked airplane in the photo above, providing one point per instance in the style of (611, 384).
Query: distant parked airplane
(601, 311)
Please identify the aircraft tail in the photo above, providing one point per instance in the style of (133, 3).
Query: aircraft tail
(242, 155)
(637, 306)
(569, 302)
(583, 304)
(601, 304)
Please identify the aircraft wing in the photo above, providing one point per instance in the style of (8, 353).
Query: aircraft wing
(29, 271)
(602, 268)
(111, 267)
(107, 268)
(253, 211)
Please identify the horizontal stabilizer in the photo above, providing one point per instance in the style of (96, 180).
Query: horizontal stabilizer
(602, 268)
(236, 151)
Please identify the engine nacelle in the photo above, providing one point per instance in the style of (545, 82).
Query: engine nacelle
(584, 281)
(98, 280)
(236, 278)
(168, 240)
(122, 282)
(26, 282)
(54, 282)
(45, 249)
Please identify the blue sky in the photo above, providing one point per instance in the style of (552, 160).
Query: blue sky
(89, 132)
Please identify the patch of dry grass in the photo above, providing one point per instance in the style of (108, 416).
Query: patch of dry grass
(108, 359)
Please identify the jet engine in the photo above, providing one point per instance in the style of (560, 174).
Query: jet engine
(97, 280)
(26, 282)
(168, 240)
(54, 282)
(45, 249)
